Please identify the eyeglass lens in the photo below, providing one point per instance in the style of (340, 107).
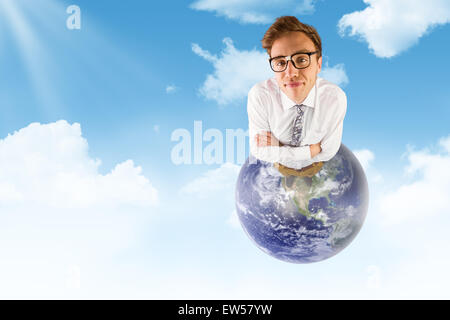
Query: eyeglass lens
(299, 60)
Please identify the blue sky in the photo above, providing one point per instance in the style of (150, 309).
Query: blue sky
(93, 205)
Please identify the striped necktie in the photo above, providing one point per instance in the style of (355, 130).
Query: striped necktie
(298, 126)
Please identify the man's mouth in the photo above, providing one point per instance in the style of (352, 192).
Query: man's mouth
(293, 84)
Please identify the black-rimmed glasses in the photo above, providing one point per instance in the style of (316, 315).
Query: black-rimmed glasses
(300, 60)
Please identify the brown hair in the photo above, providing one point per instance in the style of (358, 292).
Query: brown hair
(286, 24)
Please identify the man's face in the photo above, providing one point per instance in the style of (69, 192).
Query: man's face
(296, 83)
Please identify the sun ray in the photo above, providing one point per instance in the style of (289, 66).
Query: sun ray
(51, 10)
(33, 55)
(47, 47)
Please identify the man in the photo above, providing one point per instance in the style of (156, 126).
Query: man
(296, 118)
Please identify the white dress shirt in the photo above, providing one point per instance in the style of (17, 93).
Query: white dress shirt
(270, 109)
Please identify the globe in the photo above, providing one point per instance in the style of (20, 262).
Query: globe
(303, 219)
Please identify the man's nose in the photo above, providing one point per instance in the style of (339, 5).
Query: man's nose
(291, 71)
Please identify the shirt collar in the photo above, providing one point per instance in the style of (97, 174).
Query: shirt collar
(287, 103)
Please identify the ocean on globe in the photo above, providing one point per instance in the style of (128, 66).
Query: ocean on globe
(302, 219)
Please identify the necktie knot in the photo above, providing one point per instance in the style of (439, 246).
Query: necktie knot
(299, 108)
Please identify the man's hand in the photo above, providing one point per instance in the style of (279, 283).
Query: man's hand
(315, 149)
(266, 139)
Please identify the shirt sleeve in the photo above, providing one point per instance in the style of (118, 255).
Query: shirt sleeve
(331, 142)
(293, 157)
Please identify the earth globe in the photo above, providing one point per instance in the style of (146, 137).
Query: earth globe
(303, 219)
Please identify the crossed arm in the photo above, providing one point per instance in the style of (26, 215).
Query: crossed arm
(267, 139)
(265, 146)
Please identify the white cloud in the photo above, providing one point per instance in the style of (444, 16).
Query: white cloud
(49, 165)
(156, 128)
(171, 89)
(233, 221)
(253, 11)
(365, 157)
(59, 211)
(213, 182)
(445, 143)
(427, 195)
(413, 221)
(390, 27)
(235, 72)
(335, 74)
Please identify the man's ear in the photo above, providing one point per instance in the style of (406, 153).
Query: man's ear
(319, 64)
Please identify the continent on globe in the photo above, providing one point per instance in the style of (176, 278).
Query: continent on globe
(303, 219)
